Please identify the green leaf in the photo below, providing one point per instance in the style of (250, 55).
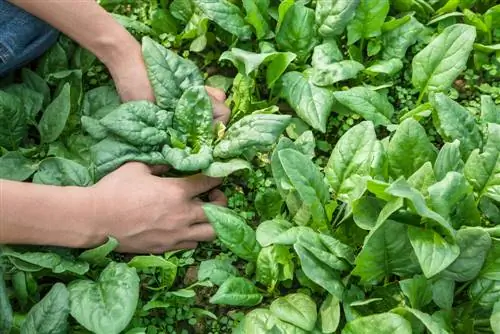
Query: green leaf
(98, 255)
(304, 177)
(418, 290)
(443, 293)
(370, 104)
(448, 160)
(107, 305)
(312, 104)
(329, 314)
(386, 251)
(333, 73)
(14, 166)
(30, 99)
(474, 245)
(434, 253)
(223, 169)
(453, 199)
(490, 113)
(187, 161)
(297, 309)
(268, 230)
(258, 16)
(193, 116)
(383, 323)
(170, 74)
(491, 268)
(248, 62)
(274, 264)
(365, 211)
(485, 292)
(326, 54)
(333, 16)
(226, 15)
(233, 231)
(36, 83)
(432, 326)
(257, 131)
(262, 320)
(49, 315)
(397, 41)
(439, 63)
(216, 271)
(56, 115)
(98, 102)
(297, 32)
(319, 272)
(454, 122)
(237, 291)
(495, 318)
(389, 67)
(410, 139)
(367, 23)
(13, 119)
(62, 172)
(482, 170)
(351, 159)
(423, 178)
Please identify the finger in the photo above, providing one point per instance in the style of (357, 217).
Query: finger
(198, 184)
(222, 113)
(201, 232)
(185, 245)
(217, 197)
(216, 93)
(159, 169)
(136, 167)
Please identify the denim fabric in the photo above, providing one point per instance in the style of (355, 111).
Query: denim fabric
(23, 37)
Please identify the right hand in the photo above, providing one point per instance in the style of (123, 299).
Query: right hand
(150, 214)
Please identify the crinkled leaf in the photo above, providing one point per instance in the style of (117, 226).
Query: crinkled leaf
(62, 172)
(333, 16)
(383, 323)
(14, 166)
(237, 291)
(333, 73)
(13, 119)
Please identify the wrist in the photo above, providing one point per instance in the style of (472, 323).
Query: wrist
(117, 50)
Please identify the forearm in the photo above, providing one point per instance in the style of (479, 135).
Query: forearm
(86, 22)
(46, 215)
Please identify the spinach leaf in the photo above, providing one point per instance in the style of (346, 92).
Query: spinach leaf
(440, 62)
(14, 166)
(237, 291)
(233, 231)
(56, 115)
(108, 304)
(13, 119)
(367, 23)
(297, 32)
(62, 172)
(50, 315)
(371, 105)
(329, 313)
(216, 271)
(397, 41)
(418, 290)
(333, 73)
(297, 309)
(383, 323)
(333, 16)
(312, 104)
(449, 159)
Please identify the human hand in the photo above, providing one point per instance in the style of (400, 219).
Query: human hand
(150, 214)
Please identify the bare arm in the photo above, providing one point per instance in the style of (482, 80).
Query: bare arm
(46, 215)
(86, 22)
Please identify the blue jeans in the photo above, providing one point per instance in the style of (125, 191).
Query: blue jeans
(23, 37)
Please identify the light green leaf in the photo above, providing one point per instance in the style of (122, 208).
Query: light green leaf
(333, 16)
(233, 231)
(434, 253)
(495, 318)
(107, 305)
(223, 169)
(443, 293)
(448, 160)
(330, 74)
(418, 290)
(410, 139)
(216, 271)
(326, 54)
(490, 113)
(389, 67)
(256, 131)
(170, 74)
(297, 32)
(237, 291)
(439, 63)
(98, 255)
(367, 23)
(227, 15)
(351, 159)
(370, 104)
(329, 313)
(268, 230)
(386, 251)
(454, 122)
(311, 103)
(297, 309)
(397, 41)
(474, 245)
(383, 323)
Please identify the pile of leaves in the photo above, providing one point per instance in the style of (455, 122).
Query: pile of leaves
(362, 165)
